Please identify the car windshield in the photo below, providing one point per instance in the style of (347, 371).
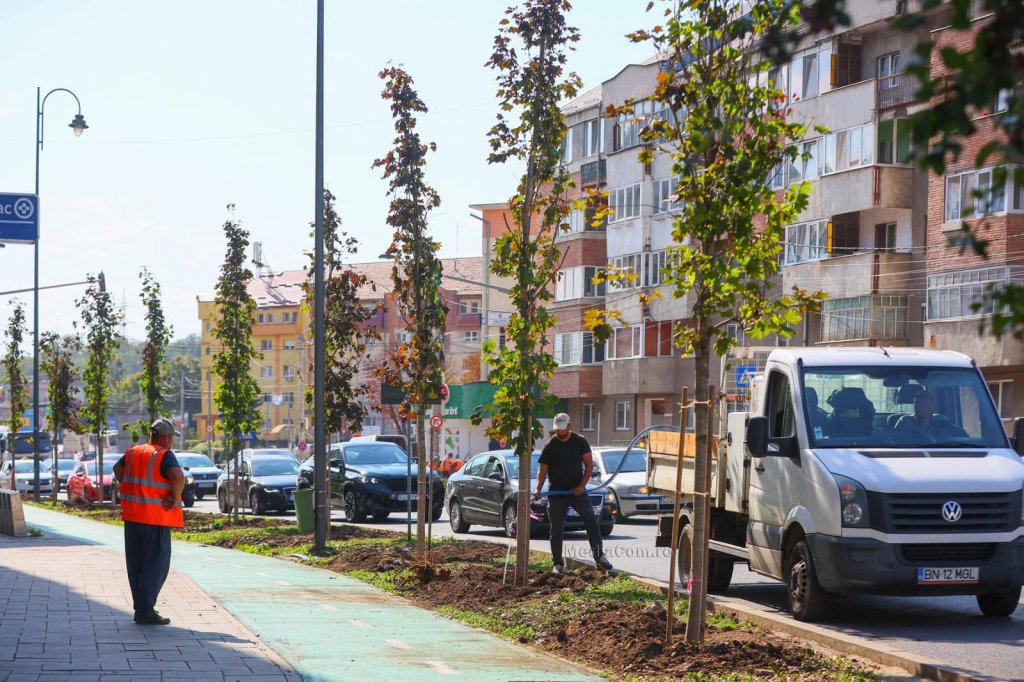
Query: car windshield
(850, 407)
(108, 467)
(513, 465)
(636, 461)
(276, 452)
(189, 460)
(276, 466)
(65, 464)
(24, 467)
(374, 453)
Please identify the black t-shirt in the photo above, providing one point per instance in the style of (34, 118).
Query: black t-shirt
(168, 462)
(565, 461)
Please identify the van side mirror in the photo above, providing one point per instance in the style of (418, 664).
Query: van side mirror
(757, 436)
(1018, 436)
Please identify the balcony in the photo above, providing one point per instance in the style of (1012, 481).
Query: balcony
(856, 274)
(577, 381)
(593, 172)
(896, 90)
(642, 375)
(862, 188)
(467, 319)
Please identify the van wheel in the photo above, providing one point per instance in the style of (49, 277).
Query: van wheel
(999, 604)
(806, 597)
(459, 524)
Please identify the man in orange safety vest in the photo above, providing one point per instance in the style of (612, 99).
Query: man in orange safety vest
(151, 485)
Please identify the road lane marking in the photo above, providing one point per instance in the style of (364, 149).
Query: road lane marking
(261, 574)
(360, 623)
(398, 644)
(442, 667)
(282, 582)
(327, 607)
(238, 566)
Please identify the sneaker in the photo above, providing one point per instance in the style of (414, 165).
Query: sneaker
(152, 619)
(557, 569)
(602, 562)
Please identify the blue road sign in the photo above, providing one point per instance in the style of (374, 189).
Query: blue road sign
(19, 218)
(744, 373)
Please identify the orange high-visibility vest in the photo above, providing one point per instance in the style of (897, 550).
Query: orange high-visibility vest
(143, 488)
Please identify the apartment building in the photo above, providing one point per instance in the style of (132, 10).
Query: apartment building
(959, 285)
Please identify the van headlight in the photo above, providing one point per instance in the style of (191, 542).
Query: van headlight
(853, 502)
(639, 490)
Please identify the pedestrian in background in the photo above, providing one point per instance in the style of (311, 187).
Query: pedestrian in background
(151, 486)
(567, 460)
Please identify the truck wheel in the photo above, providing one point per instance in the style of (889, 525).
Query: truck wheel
(807, 599)
(684, 555)
(999, 604)
(719, 569)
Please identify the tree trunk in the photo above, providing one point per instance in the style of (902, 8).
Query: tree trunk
(99, 463)
(54, 481)
(702, 461)
(421, 488)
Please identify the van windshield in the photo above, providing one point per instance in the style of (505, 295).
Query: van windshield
(908, 407)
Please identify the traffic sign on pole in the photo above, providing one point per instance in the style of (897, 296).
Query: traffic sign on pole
(19, 218)
(436, 422)
(444, 394)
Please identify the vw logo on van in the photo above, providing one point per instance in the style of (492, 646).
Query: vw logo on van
(951, 511)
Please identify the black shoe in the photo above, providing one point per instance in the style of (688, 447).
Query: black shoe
(152, 619)
(602, 562)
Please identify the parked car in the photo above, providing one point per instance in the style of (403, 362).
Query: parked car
(368, 478)
(484, 493)
(280, 452)
(203, 471)
(63, 472)
(84, 481)
(396, 438)
(24, 476)
(631, 495)
(264, 481)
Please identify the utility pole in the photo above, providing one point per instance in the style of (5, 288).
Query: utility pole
(322, 501)
(209, 414)
(181, 386)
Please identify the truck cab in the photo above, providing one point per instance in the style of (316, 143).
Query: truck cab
(873, 471)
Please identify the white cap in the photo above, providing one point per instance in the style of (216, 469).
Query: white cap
(562, 420)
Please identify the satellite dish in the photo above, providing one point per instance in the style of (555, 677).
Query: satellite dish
(277, 400)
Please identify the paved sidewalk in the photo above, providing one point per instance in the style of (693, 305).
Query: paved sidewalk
(307, 622)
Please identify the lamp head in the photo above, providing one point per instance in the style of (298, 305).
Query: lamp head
(78, 125)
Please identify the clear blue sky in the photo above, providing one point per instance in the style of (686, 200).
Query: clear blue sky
(195, 104)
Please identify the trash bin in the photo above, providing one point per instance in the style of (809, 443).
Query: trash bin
(304, 509)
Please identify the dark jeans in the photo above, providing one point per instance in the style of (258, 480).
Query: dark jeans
(557, 506)
(147, 552)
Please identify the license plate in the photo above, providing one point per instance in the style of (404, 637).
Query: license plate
(947, 576)
(572, 513)
(402, 497)
(667, 500)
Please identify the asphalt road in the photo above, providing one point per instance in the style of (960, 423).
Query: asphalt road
(950, 630)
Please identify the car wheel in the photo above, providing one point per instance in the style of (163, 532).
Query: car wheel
(806, 598)
(607, 529)
(200, 496)
(222, 502)
(437, 511)
(188, 500)
(508, 517)
(999, 604)
(459, 525)
(380, 516)
(256, 503)
(353, 511)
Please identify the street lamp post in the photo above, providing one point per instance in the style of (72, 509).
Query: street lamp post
(78, 125)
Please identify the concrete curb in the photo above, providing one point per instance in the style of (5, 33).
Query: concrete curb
(847, 644)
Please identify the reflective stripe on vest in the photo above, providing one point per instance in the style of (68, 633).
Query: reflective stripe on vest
(143, 488)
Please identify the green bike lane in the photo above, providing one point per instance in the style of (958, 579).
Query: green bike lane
(329, 626)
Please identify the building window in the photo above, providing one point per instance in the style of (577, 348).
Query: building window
(626, 342)
(888, 67)
(587, 417)
(885, 237)
(629, 125)
(849, 148)
(665, 196)
(624, 202)
(208, 326)
(806, 242)
(259, 318)
(266, 398)
(289, 344)
(592, 137)
(289, 373)
(567, 146)
(472, 336)
(1002, 394)
(501, 338)
(638, 270)
(469, 307)
(574, 348)
(578, 282)
(403, 337)
(894, 141)
(266, 344)
(270, 318)
(963, 190)
(266, 372)
(289, 398)
(207, 352)
(622, 420)
(968, 293)
(736, 333)
(864, 317)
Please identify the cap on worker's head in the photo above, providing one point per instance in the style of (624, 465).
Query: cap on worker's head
(163, 427)
(562, 421)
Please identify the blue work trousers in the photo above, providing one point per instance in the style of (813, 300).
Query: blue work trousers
(147, 552)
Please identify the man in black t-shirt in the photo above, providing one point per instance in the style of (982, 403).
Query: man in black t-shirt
(567, 461)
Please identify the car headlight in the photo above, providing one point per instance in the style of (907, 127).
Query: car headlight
(609, 497)
(189, 479)
(853, 502)
(271, 490)
(639, 490)
(369, 479)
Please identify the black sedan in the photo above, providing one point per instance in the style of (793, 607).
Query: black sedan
(368, 478)
(484, 493)
(263, 482)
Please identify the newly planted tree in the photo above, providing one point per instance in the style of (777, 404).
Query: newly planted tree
(158, 334)
(726, 135)
(17, 389)
(102, 320)
(345, 331)
(416, 274)
(237, 391)
(57, 361)
(530, 53)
